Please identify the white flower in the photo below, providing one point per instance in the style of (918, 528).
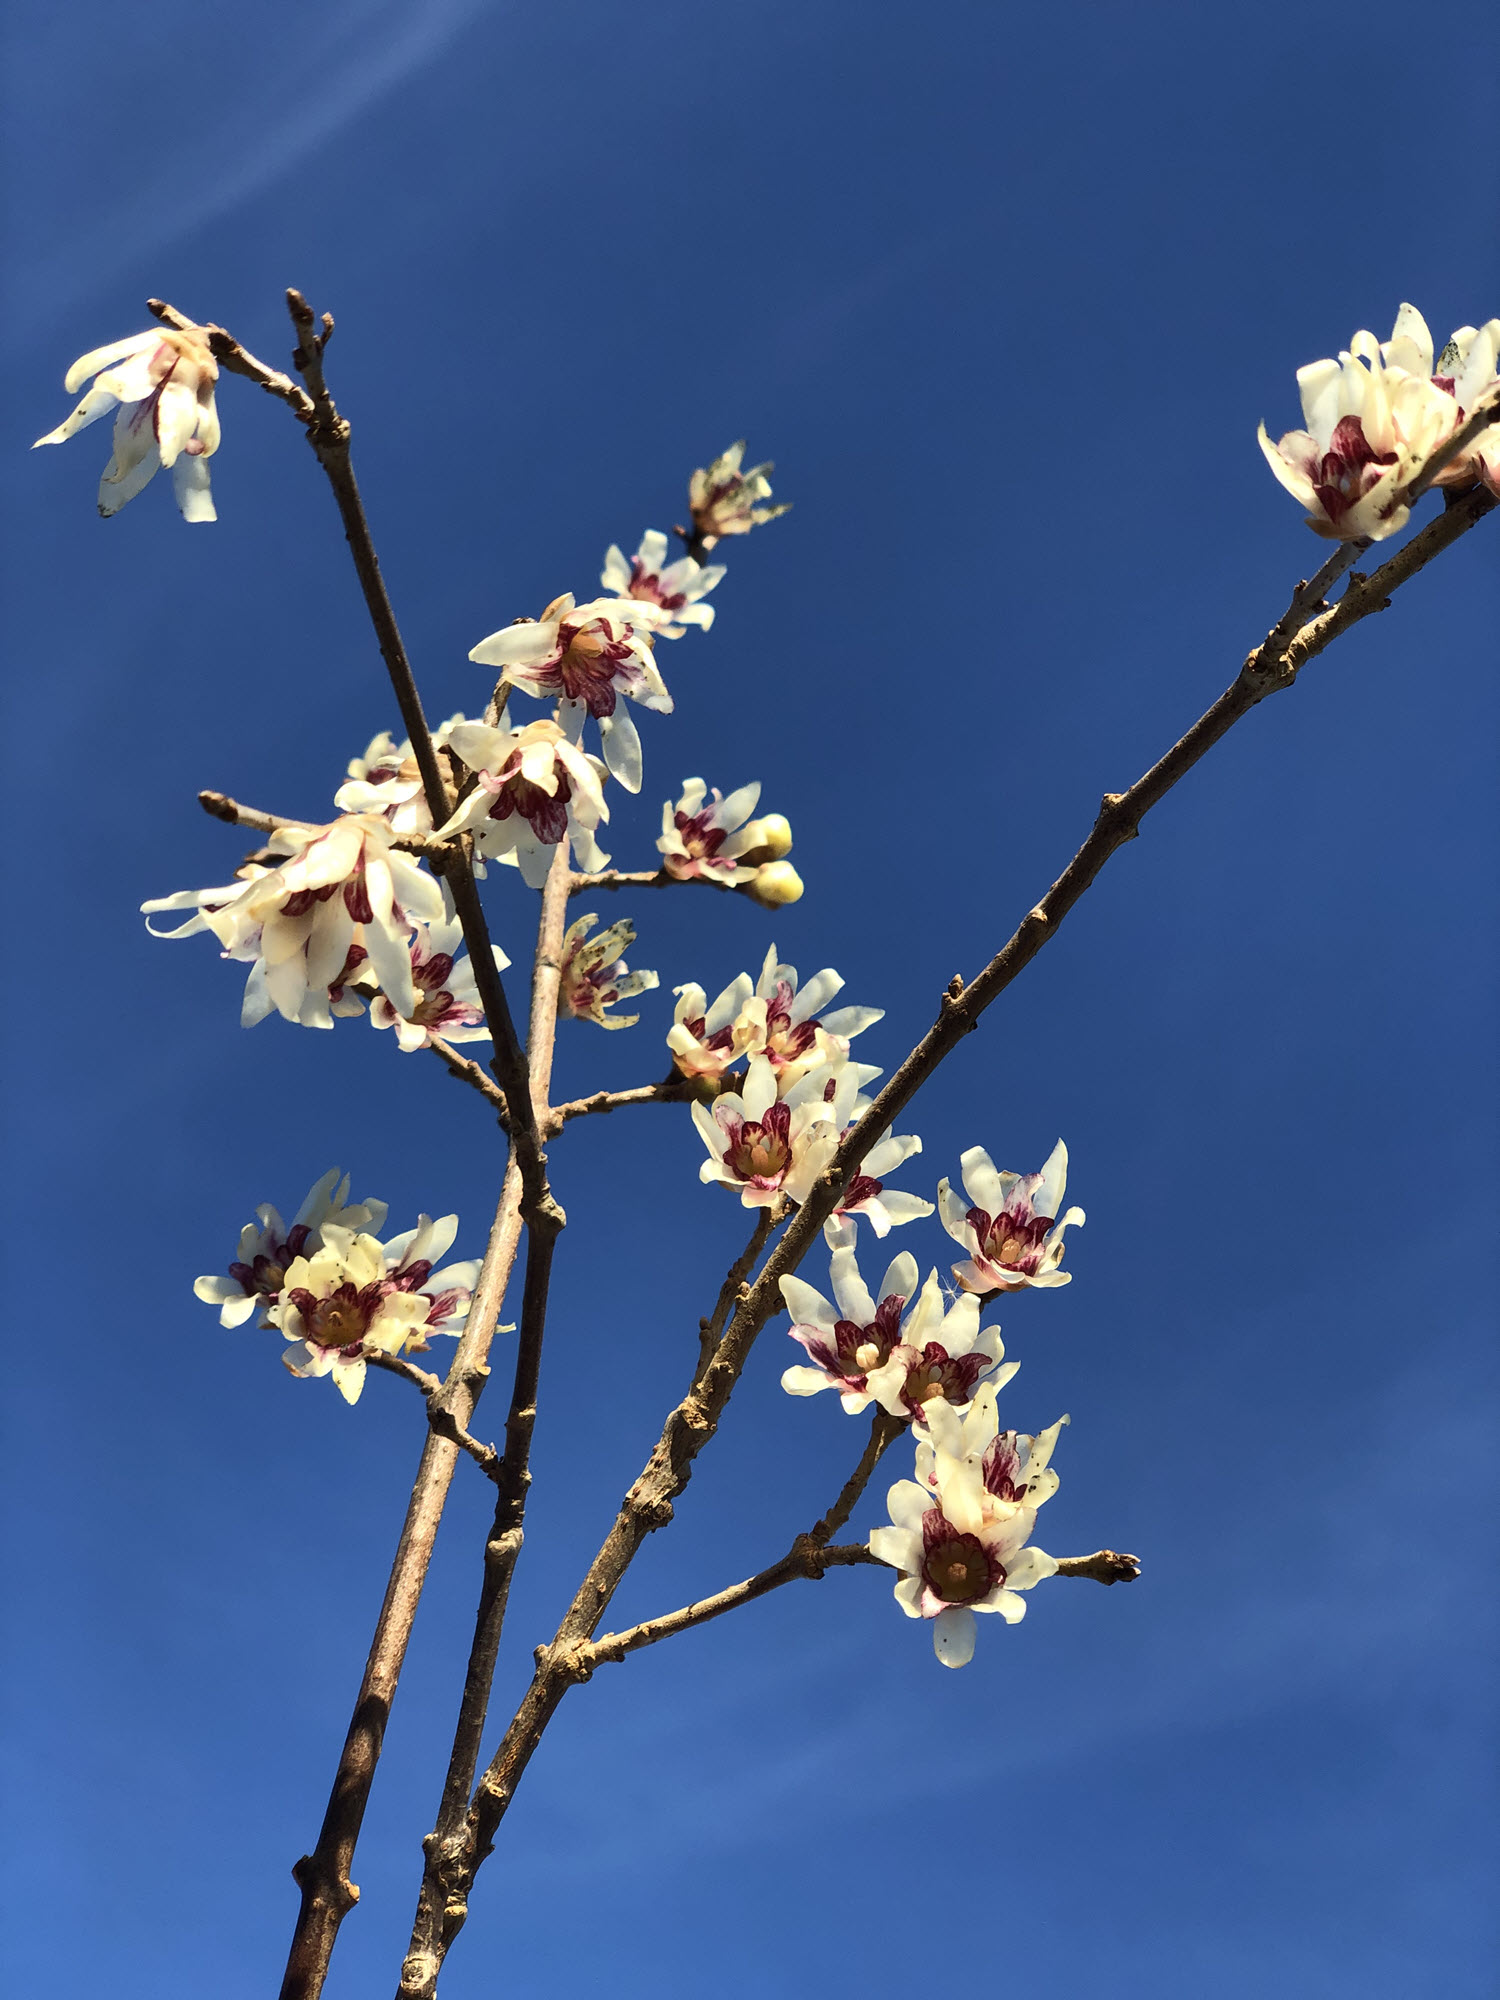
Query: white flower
(706, 841)
(867, 1195)
(163, 383)
(386, 780)
(585, 656)
(448, 1002)
(297, 922)
(848, 1341)
(337, 1302)
(941, 1357)
(595, 975)
(704, 1040)
(726, 500)
(267, 1246)
(446, 1294)
(667, 592)
(961, 1547)
(1370, 426)
(1464, 371)
(1013, 1231)
(788, 1026)
(534, 788)
(767, 1147)
(1013, 1466)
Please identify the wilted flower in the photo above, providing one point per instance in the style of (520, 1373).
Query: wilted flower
(595, 975)
(297, 922)
(706, 841)
(1013, 1231)
(668, 592)
(337, 1301)
(726, 501)
(767, 1148)
(848, 1341)
(942, 1356)
(959, 1546)
(268, 1246)
(533, 789)
(448, 1002)
(586, 655)
(1465, 371)
(867, 1195)
(704, 1040)
(386, 780)
(1370, 426)
(163, 383)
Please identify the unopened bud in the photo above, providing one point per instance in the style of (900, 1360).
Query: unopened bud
(775, 884)
(769, 838)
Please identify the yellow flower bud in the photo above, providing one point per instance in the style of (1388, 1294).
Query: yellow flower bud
(775, 884)
(768, 838)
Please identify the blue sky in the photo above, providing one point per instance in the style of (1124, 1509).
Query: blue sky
(1004, 292)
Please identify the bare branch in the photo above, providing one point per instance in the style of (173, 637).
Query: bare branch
(218, 805)
(484, 1456)
(734, 1287)
(239, 361)
(649, 878)
(472, 1073)
(1103, 1566)
(672, 1090)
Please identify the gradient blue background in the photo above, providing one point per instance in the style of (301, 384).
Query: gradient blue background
(1004, 291)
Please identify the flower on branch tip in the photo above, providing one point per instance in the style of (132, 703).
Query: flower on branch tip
(585, 656)
(715, 839)
(1465, 372)
(533, 788)
(337, 1302)
(296, 923)
(386, 780)
(447, 993)
(867, 1195)
(1372, 419)
(267, 1246)
(769, 1146)
(959, 1546)
(726, 500)
(667, 593)
(594, 974)
(706, 1040)
(163, 385)
(1013, 1227)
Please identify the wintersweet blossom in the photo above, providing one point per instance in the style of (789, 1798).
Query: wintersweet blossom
(1013, 1466)
(767, 1146)
(788, 1026)
(706, 1040)
(533, 788)
(726, 500)
(386, 780)
(448, 1002)
(337, 1302)
(595, 975)
(1370, 426)
(297, 922)
(1464, 371)
(667, 592)
(408, 1262)
(163, 385)
(268, 1245)
(867, 1195)
(585, 656)
(705, 841)
(1013, 1229)
(942, 1356)
(846, 1341)
(960, 1546)
(776, 885)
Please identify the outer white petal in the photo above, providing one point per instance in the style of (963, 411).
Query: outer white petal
(850, 1289)
(622, 748)
(807, 1306)
(953, 1635)
(908, 1502)
(982, 1183)
(1047, 1198)
(117, 487)
(518, 645)
(900, 1547)
(804, 1381)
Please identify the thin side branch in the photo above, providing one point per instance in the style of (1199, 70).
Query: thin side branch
(240, 361)
(484, 1456)
(218, 805)
(672, 1090)
(649, 878)
(472, 1073)
(734, 1287)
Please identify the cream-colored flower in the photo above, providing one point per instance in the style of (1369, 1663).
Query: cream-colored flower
(727, 501)
(337, 1302)
(163, 386)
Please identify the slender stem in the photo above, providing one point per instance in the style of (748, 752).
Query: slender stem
(734, 1287)
(323, 1876)
(440, 1888)
(648, 878)
(672, 1090)
(218, 805)
(1274, 664)
(472, 1073)
(484, 1456)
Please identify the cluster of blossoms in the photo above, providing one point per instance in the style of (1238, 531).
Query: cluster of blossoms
(718, 841)
(1376, 415)
(329, 1286)
(960, 1530)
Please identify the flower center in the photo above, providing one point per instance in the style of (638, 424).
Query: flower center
(342, 1319)
(959, 1569)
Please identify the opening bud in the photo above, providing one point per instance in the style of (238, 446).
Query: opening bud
(775, 884)
(768, 839)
